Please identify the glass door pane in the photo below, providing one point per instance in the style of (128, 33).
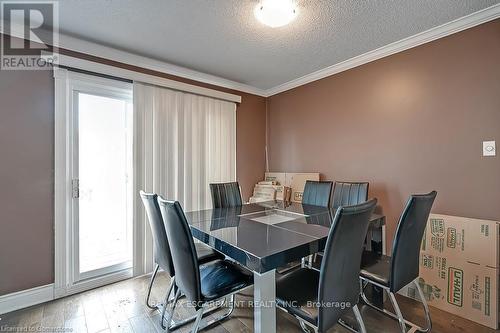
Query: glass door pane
(104, 213)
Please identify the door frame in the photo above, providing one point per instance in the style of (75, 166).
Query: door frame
(65, 280)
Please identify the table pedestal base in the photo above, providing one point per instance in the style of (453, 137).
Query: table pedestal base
(265, 302)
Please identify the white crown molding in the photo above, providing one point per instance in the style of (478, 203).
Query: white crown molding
(101, 51)
(90, 48)
(465, 22)
(95, 67)
(24, 298)
(460, 24)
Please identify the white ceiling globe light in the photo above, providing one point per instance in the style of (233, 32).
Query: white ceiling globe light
(276, 13)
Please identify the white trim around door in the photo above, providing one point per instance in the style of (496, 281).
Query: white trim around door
(66, 278)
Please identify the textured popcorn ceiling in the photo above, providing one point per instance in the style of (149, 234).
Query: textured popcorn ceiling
(223, 38)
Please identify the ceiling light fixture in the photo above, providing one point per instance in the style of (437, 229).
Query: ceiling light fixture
(276, 13)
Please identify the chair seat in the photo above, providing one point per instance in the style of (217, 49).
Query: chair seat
(206, 253)
(297, 293)
(376, 267)
(220, 278)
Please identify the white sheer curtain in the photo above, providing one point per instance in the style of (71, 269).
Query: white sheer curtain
(183, 143)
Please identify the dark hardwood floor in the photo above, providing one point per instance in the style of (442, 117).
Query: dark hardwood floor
(120, 308)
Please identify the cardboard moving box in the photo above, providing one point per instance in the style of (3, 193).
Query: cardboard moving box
(470, 240)
(296, 181)
(271, 192)
(459, 267)
(278, 177)
(465, 289)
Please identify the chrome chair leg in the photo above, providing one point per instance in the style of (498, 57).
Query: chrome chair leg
(361, 324)
(363, 285)
(222, 317)
(176, 324)
(306, 262)
(359, 319)
(169, 293)
(395, 305)
(170, 297)
(196, 324)
(305, 327)
(231, 305)
(171, 313)
(396, 308)
(173, 325)
(426, 309)
(153, 277)
(310, 261)
(398, 316)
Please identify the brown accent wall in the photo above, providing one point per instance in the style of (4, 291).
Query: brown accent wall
(26, 179)
(409, 123)
(27, 162)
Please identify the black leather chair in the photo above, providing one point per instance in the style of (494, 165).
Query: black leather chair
(201, 284)
(225, 195)
(317, 193)
(395, 272)
(319, 299)
(346, 194)
(162, 255)
(349, 193)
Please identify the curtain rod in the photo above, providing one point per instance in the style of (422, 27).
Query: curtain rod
(127, 75)
(105, 76)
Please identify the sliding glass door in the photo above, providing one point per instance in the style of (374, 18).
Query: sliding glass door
(101, 180)
(113, 139)
(104, 200)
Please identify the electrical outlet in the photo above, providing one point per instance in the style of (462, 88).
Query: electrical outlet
(489, 148)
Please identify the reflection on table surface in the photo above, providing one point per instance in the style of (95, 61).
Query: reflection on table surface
(265, 235)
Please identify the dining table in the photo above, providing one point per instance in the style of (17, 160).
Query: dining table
(263, 237)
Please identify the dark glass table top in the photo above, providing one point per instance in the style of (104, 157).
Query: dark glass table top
(267, 235)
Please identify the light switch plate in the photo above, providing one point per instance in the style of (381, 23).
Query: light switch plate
(489, 148)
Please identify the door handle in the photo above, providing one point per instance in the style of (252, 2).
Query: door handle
(75, 188)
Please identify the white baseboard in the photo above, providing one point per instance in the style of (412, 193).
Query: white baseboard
(24, 298)
(93, 283)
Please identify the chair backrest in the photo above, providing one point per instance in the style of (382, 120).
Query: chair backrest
(349, 193)
(408, 238)
(317, 193)
(339, 273)
(184, 257)
(225, 195)
(160, 241)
